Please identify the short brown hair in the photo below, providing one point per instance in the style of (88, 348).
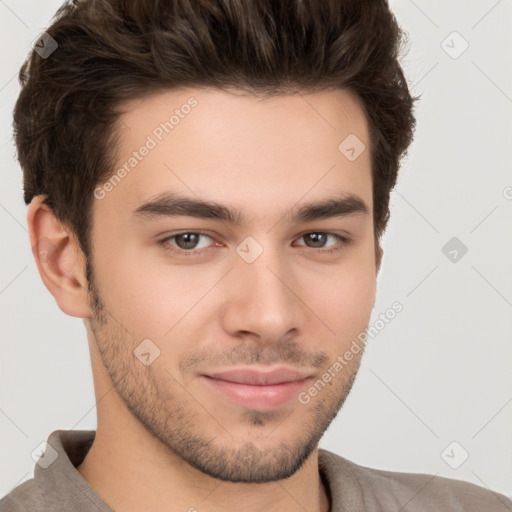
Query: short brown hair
(110, 51)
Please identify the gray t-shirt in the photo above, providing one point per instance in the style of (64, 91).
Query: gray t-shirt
(58, 486)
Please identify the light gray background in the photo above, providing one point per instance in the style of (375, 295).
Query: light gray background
(439, 372)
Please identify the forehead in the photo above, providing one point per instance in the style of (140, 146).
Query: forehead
(241, 150)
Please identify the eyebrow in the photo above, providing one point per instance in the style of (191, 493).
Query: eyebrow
(170, 204)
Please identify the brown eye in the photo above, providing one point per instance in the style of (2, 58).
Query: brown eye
(318, 239)
(187, 241)
(183, 242)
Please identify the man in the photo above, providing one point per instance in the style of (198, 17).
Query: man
(208, 183)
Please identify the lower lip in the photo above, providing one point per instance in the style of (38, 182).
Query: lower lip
(258, 397)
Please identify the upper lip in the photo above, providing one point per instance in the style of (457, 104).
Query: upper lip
(255, 377)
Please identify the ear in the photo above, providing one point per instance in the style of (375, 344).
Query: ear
(59, 258)
(379, 252)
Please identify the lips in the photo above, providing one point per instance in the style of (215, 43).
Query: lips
(256, 389)
(259, 378)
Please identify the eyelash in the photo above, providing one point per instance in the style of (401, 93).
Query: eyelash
(165, 243)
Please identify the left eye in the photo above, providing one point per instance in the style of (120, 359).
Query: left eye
(188, 241)
(319, 237)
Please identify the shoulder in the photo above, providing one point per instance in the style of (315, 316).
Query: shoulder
(390, 490)
(25, 497)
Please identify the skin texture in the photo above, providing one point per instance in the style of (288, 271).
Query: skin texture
(162, 425)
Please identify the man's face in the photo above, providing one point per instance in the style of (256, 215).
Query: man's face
(272, 292)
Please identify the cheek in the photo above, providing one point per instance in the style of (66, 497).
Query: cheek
(347, 295)
(145, 300)
(161, 302)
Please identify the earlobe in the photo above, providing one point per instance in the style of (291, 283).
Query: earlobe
(59, 259)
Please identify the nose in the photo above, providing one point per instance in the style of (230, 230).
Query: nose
(264, 299)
